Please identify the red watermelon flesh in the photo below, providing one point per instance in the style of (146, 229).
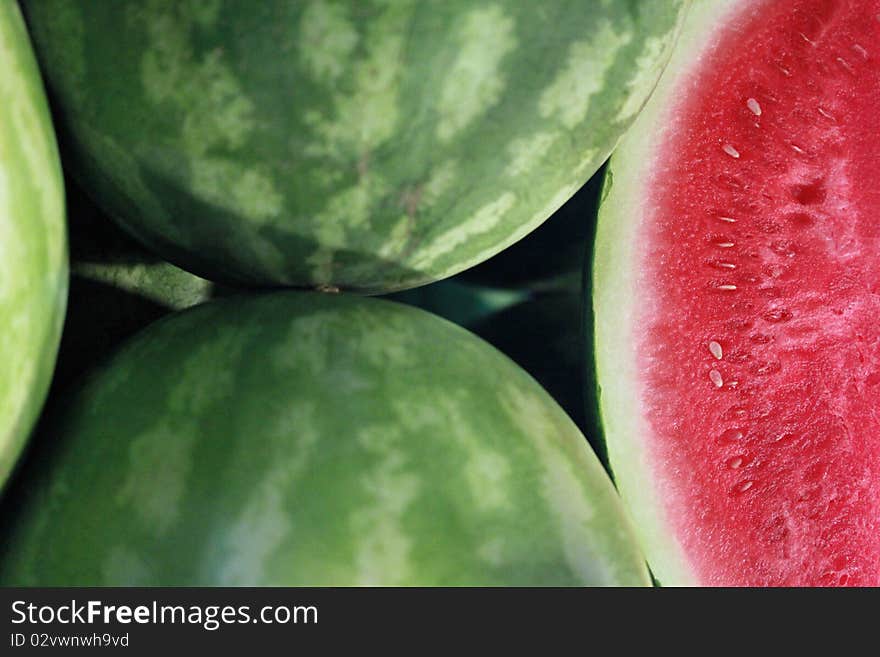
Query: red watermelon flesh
(759, 300)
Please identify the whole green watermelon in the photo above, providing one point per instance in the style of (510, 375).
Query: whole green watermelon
(312, 439)
(33, 248)
(369, 145)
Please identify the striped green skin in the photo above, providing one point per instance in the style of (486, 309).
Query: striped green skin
(109, 302)
(159, 282)
(551, 258)
(544, 335)
(116, 288)
(370, 145)
(102, 253)
(298, 438)
(33, 250)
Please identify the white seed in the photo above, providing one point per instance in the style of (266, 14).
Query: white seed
(727, 287)
(860, 50)
(743, 487)
(715, 377)
(753, 106)
(806, 38)
(727, 265)
(716, 350)
(797, 149)
(735, 462)
(845, 64)
(725, 245)
(825, 113)
(729, 220)
(730, 150)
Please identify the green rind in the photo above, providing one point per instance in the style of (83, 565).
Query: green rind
(33, 249)
(367, 145)
(110, 302)
(102, 253)
(300, 438)
(544, 336)
(551, 258)
(116, 288)
(636, 161)
(159, 282)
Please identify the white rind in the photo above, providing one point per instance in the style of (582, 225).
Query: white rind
(615, 289)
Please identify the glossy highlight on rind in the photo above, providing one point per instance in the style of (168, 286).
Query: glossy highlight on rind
(369, 146)
(314, 439)
(33, 248)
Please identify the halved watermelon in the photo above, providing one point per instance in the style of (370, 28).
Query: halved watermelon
(737, 299)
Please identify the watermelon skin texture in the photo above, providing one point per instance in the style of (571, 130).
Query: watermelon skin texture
(312, 439)
(363, 145)
(544, 336)
(102, 253)
(116, 288)
(33, 249)
(551, 258)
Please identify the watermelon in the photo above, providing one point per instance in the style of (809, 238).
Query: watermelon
(353, 144)
(551, 258)
(33, 250)
(299, 438)
(544, 336)
(541, 333)
(116, 288)
(103, 253)
(737, 300)
(112, 303)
